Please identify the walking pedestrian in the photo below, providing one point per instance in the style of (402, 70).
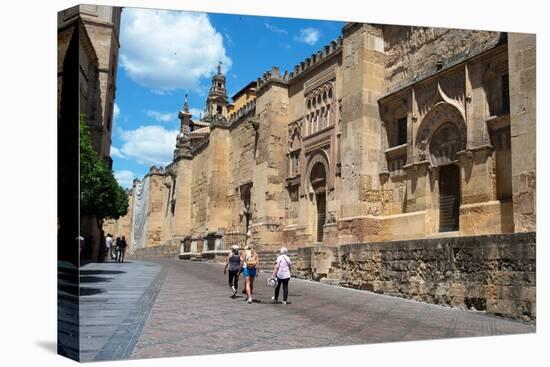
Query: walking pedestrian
(233, 262)
(250, 264)
(121, 249)
(117, 246)
(109, 246)
(249, 241)
(282, 272)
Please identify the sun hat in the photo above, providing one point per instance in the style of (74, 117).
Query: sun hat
(272, 282)
(284, 251)
(235, 247)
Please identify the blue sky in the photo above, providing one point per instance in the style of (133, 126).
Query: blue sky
(165, 54)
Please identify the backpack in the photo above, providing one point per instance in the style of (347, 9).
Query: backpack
(251, 262)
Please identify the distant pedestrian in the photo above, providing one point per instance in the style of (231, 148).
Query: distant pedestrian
(233, 262)
(121, 249)
(250, 264)
(117, 245)
(281, 270)
(110, 248)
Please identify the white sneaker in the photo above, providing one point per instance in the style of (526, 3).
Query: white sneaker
(284, 302)
(233, 289)
(249, 301)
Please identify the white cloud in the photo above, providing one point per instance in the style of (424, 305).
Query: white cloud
(115, 152)
(149, 145)
(163, 50)
(116, 112)
(229, 39)
(308, 35)
(162, 117)
(274, 29)
(125, 178)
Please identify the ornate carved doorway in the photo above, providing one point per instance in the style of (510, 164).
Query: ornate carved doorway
(449, 198)
(318, 183)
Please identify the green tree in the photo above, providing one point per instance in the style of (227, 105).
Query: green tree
(100, 194)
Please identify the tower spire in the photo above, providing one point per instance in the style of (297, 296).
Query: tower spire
(185, 104)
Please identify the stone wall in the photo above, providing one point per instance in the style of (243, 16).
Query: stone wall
(155, 208)
(363, 84)
(199, 190)
(522, 65)
(241, 157)
(495, 274)
(169, 250)
(413, 52)
(268, 196)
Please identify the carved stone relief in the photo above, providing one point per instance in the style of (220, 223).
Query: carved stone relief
(294, 147)
(440, 114)
(445, 143)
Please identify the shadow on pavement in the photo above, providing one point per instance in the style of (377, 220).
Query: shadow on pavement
(82, 291)
(97, 272)
(86, 262)
(92, 279)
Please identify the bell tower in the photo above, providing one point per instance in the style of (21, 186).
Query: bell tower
(216, 102)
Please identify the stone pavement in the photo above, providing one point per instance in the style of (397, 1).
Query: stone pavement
(115, 301)
(194, 314)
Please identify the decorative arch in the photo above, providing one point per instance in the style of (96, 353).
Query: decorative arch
(294, 137)
(319, 157)
(442, 113)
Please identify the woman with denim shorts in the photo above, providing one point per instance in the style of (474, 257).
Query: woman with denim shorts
(250, 264)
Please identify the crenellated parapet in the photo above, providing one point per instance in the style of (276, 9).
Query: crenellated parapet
(270, 77)
(327, 51)
(154, 170)
(247, 110)
(274, 75)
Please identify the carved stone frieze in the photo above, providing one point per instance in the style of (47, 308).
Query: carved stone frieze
(441, 113)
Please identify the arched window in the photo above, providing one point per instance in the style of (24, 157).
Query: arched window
(319, 104)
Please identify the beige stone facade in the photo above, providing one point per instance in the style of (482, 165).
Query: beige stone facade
(419, 141)
(388, 133)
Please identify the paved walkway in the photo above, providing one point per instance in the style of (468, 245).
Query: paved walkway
(193, 314)
(115, 301)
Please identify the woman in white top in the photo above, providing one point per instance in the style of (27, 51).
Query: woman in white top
(282, 272)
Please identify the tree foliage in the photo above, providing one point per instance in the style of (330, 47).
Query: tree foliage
(100, 194)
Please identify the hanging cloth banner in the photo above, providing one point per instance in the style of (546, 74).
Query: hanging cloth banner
(140, 218)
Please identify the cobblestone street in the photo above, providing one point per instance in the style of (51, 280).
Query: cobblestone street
(194, 314)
